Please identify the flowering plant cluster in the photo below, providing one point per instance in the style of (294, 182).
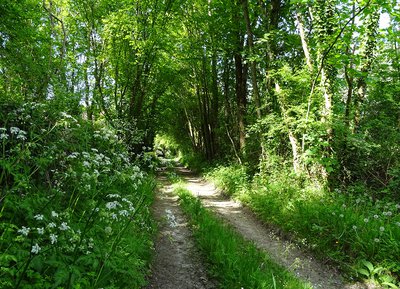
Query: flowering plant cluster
(74, 203)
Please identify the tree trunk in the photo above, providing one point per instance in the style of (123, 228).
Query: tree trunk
(253, 65)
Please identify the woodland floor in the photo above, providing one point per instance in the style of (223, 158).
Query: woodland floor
(179, 265)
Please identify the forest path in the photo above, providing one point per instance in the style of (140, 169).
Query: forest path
(177, 264)
(283, 252)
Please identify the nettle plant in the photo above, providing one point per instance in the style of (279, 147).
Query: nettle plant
(73, 207)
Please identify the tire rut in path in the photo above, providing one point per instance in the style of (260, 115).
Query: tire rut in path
(283, 252)
(177, 264)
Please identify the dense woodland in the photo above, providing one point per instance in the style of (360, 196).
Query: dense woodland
(294, 107)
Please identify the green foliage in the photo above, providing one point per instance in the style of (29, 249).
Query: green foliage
(344, 227)
(74, 207)
(231, 179)
(234, 262)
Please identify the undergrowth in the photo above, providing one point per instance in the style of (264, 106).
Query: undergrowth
(351, 229)
(234, 262)
(73, 204)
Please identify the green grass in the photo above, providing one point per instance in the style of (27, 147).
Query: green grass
(233, 261)
(350, 229)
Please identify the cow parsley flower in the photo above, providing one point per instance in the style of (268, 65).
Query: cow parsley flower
(35, 249)
(51, 225)
(54, 214)
(24, 231)
(124, 213)
(112, 205)
(38, 217)
(21, 135)
(3, 136)
(64, 226)
(40, 231)
(14, 130)
(53, 238)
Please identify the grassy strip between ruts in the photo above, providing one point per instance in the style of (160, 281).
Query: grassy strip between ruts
(234, 262)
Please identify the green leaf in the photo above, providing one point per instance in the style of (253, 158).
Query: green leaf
(368, 265)
(364, 272)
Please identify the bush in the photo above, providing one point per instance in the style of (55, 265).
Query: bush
(230, 179)
(74, 208)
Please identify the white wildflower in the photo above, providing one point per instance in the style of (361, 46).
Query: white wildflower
(35, 249)
(124, 213)
(114, 196)
(112, 205)
(51, 225)
(14, 130)
(86, 164)
(3, 136)
(366, 220)
(354, 227)
(3, 129)
(398, 224)
(381, 229)
(376, 240)
(53, 238)
(114, 216)
(64, 226)
(341, 215)
(21, 135)
(40, 231)
(397, 206)
(73, 155)
(54, 214)
(24, 231)
(376, 216)
(38, 217)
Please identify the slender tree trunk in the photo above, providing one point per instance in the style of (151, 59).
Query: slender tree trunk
(291, 135)
(253, 64)
(304, 44)
(241, 98)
